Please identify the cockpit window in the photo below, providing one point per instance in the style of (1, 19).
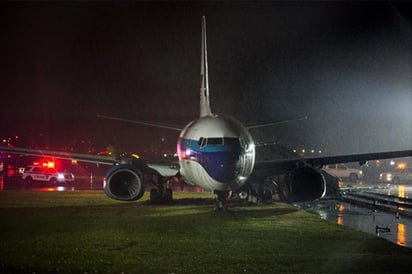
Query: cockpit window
(231, 141)
(215, 141)
(218, 141)
(201, 142)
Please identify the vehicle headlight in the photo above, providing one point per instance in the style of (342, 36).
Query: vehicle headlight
(389, 177)
(60, 176)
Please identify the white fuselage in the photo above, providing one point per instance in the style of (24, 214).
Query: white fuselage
(216, 153)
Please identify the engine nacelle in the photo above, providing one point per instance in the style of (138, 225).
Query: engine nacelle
(304, 184)
(125, 183)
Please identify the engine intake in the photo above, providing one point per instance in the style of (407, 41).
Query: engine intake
(125, 183)
(305, 184)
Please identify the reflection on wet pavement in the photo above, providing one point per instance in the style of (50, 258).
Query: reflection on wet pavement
(387, 223)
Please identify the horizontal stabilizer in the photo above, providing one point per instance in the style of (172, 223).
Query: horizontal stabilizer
(158, 125)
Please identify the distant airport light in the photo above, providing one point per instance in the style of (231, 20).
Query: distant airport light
(401, 165)
(401, 191)
(401, 235)
(392, 162)
(105, 152)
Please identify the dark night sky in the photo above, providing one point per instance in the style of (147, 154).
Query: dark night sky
(348, 66)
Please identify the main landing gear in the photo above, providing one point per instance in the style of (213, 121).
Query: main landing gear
(221, 198)
(161, 194)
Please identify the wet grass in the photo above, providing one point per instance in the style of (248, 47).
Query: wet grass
(83, 232)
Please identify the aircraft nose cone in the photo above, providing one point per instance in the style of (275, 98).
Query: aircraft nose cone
(223, 167)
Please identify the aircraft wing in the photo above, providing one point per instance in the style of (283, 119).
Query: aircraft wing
(275, 123)
(98, 159)
(281, 166)
(164, 169)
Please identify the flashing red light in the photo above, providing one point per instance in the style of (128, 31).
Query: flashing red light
(47, 164)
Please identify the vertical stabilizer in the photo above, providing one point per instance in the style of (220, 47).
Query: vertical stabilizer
(204, 78)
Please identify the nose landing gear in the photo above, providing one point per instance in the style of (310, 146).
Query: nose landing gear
(221, 198)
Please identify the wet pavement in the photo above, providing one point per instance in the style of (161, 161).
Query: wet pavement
(382, 220)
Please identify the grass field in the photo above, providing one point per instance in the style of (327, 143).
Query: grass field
(79, 232)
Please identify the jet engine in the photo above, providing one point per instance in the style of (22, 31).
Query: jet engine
(304, 184)
(125, 183)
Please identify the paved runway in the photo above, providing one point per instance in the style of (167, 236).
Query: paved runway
(389, 225)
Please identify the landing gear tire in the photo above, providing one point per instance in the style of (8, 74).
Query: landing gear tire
(168, 196)
(267, 197)
(243, 195)
(154, 196)
(221, 200)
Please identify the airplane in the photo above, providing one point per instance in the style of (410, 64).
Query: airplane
(216, 153)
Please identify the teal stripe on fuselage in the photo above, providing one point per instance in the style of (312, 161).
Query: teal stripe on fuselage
(221, 162)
